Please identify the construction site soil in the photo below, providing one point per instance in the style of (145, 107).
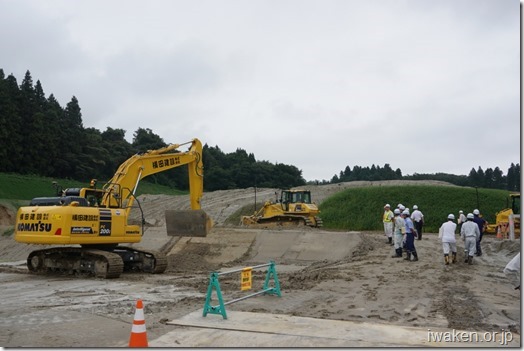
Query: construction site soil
(348, 276)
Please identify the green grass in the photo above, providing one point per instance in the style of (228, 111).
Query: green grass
(362, 208)
(25, 187)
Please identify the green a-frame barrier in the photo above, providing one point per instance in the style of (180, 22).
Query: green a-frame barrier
(215, 285)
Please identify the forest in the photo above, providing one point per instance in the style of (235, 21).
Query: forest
(40, 137)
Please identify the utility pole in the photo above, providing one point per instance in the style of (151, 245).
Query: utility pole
(478, 203)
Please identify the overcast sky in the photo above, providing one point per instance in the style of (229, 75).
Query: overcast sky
(426, 86)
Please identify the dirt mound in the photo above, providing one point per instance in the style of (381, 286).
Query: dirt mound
(7, 216)
(193, 259)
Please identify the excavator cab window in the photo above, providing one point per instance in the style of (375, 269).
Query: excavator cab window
(93, 196)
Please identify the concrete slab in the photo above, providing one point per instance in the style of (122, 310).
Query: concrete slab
(248, 329)
(262, 246)
(224, 244)
(303, 246)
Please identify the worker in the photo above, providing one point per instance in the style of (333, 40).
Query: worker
(411, 233)
(418, 220)
(449, 242)
(470, 233)
(399, 229)
(387, 219)
(512, 271)
(481, 222)
(402, 208)
(461, 219)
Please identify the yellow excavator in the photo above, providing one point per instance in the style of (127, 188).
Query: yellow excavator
(502, 224)
(293, 208)
(97, 219)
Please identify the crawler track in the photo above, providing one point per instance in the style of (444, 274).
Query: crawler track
(142, 260)
(96, 262)
(72, 260)
(284, 221)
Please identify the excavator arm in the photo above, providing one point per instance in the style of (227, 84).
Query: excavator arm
(120, 190)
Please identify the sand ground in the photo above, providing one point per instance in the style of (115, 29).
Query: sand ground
(347, 276)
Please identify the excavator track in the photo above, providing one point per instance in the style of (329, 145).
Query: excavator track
(142, 260)
(96, 262)
(73, 260)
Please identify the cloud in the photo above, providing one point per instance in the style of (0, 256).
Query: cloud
(424, 86)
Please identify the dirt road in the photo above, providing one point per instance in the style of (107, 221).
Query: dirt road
(330, 275)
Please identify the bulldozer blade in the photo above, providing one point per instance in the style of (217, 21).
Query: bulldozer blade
(187, 223)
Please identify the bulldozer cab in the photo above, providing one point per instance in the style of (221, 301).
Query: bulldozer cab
(515, 203)
(294, 196)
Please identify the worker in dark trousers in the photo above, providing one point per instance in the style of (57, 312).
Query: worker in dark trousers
(418, 220)
(411, 233)
(481, 222)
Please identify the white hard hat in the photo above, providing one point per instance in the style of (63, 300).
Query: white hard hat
(451, 216)
(461, 211)
(402, 208)
(405, 212)
(387, 205)
(476, 212)
(470, 216)
(396, 211)
(415, 207)
(400, 205)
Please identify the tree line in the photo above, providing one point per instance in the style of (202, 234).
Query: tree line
(40, 137)
(490, 178)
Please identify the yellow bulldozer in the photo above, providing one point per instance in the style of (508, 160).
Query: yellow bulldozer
(505, 217)
(95, 221)
(294, 207)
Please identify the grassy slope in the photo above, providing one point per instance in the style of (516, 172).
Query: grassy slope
(24, 187)
(352, 209)
(362, 208)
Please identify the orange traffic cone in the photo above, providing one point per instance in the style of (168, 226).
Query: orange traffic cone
(138, 332)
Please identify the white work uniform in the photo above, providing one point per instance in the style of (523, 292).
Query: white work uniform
(470, 233)
(400, 230)
(512, 270)
(417, 216)
(447, 235)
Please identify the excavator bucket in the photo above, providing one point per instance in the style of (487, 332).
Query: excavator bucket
(187, 223)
